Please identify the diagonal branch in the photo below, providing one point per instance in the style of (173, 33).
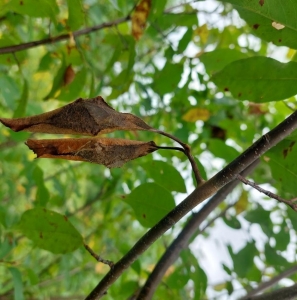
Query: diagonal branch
(62, 37)
(266, 285)
(292, 202)
(287, 293)
(182, 241)
(201, 193)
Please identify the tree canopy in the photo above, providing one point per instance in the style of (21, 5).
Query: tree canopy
(195, 102)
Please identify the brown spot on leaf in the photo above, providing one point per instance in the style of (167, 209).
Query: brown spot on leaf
(65, 218)
(239, 95)
(286, 151)
(226, 89)
(256, 26)
(218, 132)
(112, 153)
(144, 215)
(21, 3)
(41, 235)
(280, 40)
(261, 2)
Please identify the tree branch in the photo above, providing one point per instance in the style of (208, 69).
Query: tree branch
(287, 293)
(98, 258)
(290, 202)
(182, 241)
(201, 193)
(62, 37)
(265, 285)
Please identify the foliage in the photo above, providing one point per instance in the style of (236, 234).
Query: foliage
(210, 73)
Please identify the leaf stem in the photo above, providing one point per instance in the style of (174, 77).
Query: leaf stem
(187, 151)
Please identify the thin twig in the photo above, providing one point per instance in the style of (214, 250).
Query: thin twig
(62, 37)
(201, 193)
(290, 202)
(98, 258)
(286, 293)
(265, 285)
(187, 151)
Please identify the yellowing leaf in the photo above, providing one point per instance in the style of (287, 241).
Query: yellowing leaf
(241, 204)
(203, 33)
(139, 18)
(196, 114)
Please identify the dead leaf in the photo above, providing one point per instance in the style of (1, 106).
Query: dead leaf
(196, 114)
(139, 18)
(88, 117)
(112, 153)
(69, 75)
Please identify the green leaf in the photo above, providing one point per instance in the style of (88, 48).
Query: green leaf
(185, 40)
(33, 8)
(219, 149)
(167, 79)
(75, 14)
(243, 260)
(218, 59)
(42, 194)
(168, 20)
(261, 217)
(22, 102)
(261, 18)
(283, 238)
(258, 79)
(18, 284)
(275, 259)
(150, 203)
(9, 90)
(58, 80)
(232, 222)
(283, 164)
(165, 175)
(50, 230)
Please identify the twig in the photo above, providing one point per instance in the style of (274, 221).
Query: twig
(290, 202)
(62, 37)
(287, 293)
(265, 285)
(182, 241)
(187, 151)
(201, 193)
(98, 258)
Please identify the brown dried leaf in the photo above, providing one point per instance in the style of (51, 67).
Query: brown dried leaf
(139, 18)
(112, 153)
(69, 75)
(88, 117)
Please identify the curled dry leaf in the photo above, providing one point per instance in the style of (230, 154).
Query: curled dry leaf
(139, 18)
(112, 153)
(69, 75)
(88, 117)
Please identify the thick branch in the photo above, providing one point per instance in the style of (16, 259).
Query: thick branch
(182, 241)
(201, 193)
(287, 293)
(62, 37)
(266, 285)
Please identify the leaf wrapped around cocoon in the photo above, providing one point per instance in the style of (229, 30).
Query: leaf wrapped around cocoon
(87, 117)
(112, 153)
